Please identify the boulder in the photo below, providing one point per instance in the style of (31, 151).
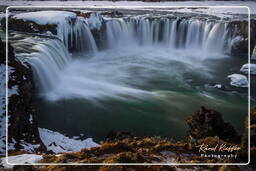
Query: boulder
(209, 123)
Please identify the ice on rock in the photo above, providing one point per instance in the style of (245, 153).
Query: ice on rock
(238, 80)
(95, 21)
(245, 69)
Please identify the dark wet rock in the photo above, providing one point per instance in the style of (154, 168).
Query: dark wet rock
(209, 123)
(116, 14)
(118, 135)
(23, 126)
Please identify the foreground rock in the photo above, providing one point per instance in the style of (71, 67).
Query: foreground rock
(209, 123)
(123, 147)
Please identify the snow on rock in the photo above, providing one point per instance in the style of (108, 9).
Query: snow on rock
(61, 18)
(11, 91)
(59, 143)
(27, 146)
(238, 80)
(245, 69)
(45, 17)
(95, 21)
(20, 159)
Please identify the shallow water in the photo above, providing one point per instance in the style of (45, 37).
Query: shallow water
(148, 90)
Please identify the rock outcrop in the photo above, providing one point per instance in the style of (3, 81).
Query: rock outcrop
(209, 123)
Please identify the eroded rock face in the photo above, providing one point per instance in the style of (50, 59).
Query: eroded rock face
(209, 123)
(23, 130)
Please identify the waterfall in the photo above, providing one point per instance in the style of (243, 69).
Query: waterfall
(211, 36)
(176, 33)
(50, 57)
(76, 35)
(119, 32)
(48, 61)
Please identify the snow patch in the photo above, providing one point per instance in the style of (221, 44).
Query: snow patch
(245, 69)
(29, 147)
(59, 143)
(20, 159)
(45, 17)
(238, 80)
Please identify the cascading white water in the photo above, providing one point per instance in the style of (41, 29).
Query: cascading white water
(47, 62)
(76, 35)
(61, 77)
(209, 36)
